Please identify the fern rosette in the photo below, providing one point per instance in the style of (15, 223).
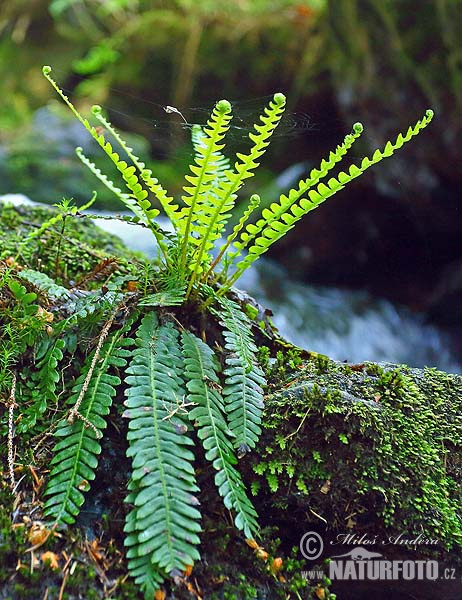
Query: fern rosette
(174, 380)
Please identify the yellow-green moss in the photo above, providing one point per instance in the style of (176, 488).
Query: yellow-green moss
(381, 443)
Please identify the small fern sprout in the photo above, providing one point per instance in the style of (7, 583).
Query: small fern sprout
(157, 362)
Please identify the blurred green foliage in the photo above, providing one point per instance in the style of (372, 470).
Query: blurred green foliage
(174, 48)
(349, 58)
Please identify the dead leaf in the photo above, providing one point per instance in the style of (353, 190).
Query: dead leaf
(320, 592)
(188, 570)
(261, 553)
(276, 565)
(50, 559)
(38, 534)
(325, 489)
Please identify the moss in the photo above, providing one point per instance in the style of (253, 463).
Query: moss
(66, 250)
(374, 447)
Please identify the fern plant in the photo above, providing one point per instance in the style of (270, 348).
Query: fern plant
(177, 345)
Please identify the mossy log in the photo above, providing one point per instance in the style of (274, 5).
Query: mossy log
(364, 455)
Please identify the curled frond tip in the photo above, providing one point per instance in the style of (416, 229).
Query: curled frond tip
(223, 106)
(279, 99)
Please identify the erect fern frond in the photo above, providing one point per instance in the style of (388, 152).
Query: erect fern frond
(223, 164)
(75, 456)
(254, 202)
(64, 208)
(45, 380)
(199, 196)
(125, 198)
(208, 415)
(244, 378)
(225, 193)
(277, 210)
(170, 207)
(280, 217)
(164, 522)
(127, 172)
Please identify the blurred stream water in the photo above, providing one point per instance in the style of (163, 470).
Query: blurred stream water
(343, 324)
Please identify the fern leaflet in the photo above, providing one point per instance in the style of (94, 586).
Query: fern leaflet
(45, 379)
(281, 217)
(198, 197)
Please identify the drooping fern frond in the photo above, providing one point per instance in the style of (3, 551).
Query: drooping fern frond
(45, 378)
(277, 220)
(44, 283)
(242, 392)
(164, 523)
(208, 415)
(76, 454)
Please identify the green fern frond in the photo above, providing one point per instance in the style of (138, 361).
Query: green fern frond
(125, 198)
(45, 378)
(44, 283)
(223, 164)
(199, 196)
(172, 297)
(208, 416)
(254, 202)
(225, 195)
(146, 575)
(65, 208)
(242, 392)
(127, 172)
(75, 456)
(278, 210)
(277, 220)
(171, 209)
(164, 521)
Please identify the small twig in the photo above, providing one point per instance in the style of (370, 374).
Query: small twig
(74, 411)
(63, 585)
(11, 407)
